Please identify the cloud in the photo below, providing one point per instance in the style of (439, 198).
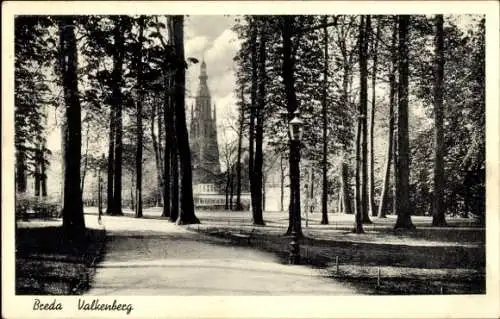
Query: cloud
(195, 46)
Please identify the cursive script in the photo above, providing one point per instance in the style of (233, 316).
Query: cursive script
(96, 306)
(54, 305)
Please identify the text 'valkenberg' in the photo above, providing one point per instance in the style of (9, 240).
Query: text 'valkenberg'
(96, 306)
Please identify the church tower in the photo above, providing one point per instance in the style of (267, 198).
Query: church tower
(203, 135)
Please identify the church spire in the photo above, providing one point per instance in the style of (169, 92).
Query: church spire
(203, 91)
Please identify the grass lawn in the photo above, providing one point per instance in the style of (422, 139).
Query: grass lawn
(49, 264)
(382, 261)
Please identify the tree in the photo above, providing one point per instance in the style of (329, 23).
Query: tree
(324, 167)
(403, 170)
(139, 128)
(34, 56)
(438, 207)
(371, 179)
(253, 111)
(361, 203)
(390, 139)
(257, 178)
(73, 220)
(241, 123)
(287, 29)
(186, 214)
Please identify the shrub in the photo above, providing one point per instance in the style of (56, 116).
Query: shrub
(29, 206)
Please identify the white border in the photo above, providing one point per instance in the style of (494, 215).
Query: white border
(473, 306)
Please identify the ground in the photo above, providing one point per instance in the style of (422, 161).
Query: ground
(151, 256)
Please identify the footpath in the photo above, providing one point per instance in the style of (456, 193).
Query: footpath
(156, 257)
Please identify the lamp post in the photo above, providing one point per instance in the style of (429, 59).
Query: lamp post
(295, 126)
(99, 186)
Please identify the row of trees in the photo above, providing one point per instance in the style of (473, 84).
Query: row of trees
(106, 65)
(131, 71)
(322, 65)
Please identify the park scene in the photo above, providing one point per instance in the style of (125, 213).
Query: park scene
(250, 155)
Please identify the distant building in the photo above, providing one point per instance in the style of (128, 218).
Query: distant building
(203, 138)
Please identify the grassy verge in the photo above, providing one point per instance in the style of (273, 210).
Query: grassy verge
(47, 263)
(382, 261)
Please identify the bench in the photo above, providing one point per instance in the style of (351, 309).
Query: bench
(244, 237)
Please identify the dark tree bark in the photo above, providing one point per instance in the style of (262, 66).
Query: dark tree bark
(403, 171)
(21, 179)
(324, 164)
(64, 138)
(287, 27)
(168, 115)
(86, 160)
(43, 171)
(186, 214)
(117, 101)
(253, 112)
(37, 174)
(73, 219)
(371, 180)
(345, 188)
(111, 163)
(231, 189)
(363, 64)
(438, 217)
(358, 209)
(226, 189)
(390, 140)
(139, 128)
(361, 202)
(259, 134)
(158, 162)
(241, 123)
(282, 183)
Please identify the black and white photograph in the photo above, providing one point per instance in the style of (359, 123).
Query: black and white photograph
(164, 153)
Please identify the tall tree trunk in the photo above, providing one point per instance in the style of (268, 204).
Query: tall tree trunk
(363, 57)
(360, 131)
(168, 115)
(73, 219)
(37, 174)
(390, 139)
(403, 171)
(259, 134)
(231, 189)
(159, 173)
(253, 112)
(358, 209)
(64, 137)
(187, 215)
(43, 170)
(140, 97)
(21, 170)
(371, 180)
(311, 191)
(295, 222)
(240, 143)
(117, 105)
(438, 218)
(282, 183)
(86, 160)
(111, 163)
(226, 189)
(345, 188)
(132, 186)
(324, 168)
